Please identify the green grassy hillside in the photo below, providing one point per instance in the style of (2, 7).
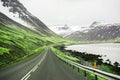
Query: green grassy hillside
(16, 42)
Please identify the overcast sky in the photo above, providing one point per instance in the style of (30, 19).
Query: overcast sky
(74, 12)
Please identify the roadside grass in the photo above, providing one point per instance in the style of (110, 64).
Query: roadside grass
(4, 50)
(24, 58)
(110, 69)
(89, 75)
(59, 53)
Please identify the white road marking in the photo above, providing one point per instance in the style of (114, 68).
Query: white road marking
(34, 68)
(27, 77)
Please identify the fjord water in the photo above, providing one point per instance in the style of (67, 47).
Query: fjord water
(109, 51)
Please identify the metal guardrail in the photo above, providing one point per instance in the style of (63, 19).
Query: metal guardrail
(96, 72)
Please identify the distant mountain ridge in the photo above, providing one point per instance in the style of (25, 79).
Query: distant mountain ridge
(65, 30)
(97, 31)
(61, 30)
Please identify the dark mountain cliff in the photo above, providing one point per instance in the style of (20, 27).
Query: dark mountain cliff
(97, 31)
(16, 7)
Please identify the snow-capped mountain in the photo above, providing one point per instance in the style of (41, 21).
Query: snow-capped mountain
(17, 12)
(65, 30)
(61, 30)
(13, 15)
(97, 31)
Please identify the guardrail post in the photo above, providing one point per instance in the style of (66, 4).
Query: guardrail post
(78, 69)
(85, 73)
(73, 66)
(84, 69)
(70, 64)
(96, 77)
(67, 63)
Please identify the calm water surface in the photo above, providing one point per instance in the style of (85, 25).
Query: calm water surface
(111, 50)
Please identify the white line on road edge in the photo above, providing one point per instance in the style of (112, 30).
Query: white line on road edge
(27, 77)
(34, 68)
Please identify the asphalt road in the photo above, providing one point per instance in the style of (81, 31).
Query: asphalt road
(45, 66)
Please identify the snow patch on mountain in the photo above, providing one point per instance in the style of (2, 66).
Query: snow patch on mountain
(103, 24)
(64, 30)
(97, 31)
(61, 30)
(14, 16)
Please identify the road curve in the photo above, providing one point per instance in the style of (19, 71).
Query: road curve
(45, 66)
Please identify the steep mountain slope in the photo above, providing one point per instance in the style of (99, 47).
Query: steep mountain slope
(97, 31)
(16, 11)
(75, 36)
(18, 40)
